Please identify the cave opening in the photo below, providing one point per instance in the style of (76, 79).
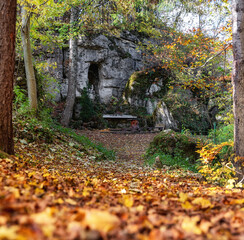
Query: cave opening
(93, 79)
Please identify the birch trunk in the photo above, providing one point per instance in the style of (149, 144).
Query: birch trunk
(7, 58)
(68, 111)
(29, 69)
(238, 83)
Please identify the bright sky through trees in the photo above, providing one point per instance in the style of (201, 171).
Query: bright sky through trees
(211, 17)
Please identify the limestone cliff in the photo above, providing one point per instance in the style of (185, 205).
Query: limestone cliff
(104, 66)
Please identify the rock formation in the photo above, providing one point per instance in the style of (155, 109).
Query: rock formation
(104, 66)
(146, 89)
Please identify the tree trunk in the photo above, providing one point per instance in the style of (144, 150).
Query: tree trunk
(29, 70)
(238, 83)
(7, 58)
(70, 101)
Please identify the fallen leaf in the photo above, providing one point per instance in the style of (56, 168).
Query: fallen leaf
(70, 201)
(128, 201)
(189, 225)
(46, 220)
(205, 203)
(13, 190)
(9, 232)
(183, 197)
(237, 201)
(100, 220)
(187, 205)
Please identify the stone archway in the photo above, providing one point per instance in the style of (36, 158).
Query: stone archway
(93, 79)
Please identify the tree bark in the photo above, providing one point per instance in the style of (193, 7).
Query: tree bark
(70, 101)
(238, 83)
(7, 63)
(29, 69)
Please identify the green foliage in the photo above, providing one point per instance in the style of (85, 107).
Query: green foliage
(30, 128)
(45, 82)
(90, 110)
(141, 81)
(186, 111)
(215, 162)
(172, 161)
(174, 148)
(224, 101)
(20, 104)
(45, 90)
(222, 134)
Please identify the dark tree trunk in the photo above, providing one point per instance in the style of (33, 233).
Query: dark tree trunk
(7, 62)
(68, 111)
(238, 83)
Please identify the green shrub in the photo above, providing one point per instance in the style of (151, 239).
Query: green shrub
(215, 157)
(169, 160)
(21, 103)
(187, 112)
(91, 110)
(222, 134)
(174, 149)
(175, 144)
(88, 109)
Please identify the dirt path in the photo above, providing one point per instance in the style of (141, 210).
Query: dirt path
(129, 148)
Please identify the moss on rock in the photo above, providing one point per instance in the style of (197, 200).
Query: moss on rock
(141, 81)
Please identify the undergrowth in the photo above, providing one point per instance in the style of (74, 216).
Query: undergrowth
(214, 159)
(87, 143)
(171, 161)
(174, 149)
(215, 162)
(32, 127)
(214, 165)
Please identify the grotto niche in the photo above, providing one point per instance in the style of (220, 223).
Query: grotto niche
(93, 80)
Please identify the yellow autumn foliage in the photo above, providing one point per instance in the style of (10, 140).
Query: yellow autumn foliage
(213, 169)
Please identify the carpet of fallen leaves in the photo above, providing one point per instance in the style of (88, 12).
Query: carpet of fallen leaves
(56, 192)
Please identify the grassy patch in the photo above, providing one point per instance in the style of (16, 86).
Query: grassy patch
(173, 149)
(168, 160)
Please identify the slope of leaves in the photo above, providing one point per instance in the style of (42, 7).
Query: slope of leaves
(30, 130)
(48, 192)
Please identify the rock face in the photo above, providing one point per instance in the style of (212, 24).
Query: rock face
(104, 66)
(163, 117)
(146, 89)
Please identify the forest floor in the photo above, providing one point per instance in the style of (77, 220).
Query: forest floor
(48, 191)
(129, 147)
